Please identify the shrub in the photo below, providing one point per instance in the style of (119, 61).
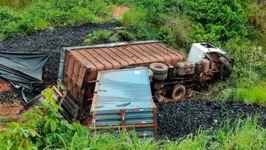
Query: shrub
(217, 21)
(255, 12)
(123, 35)
(134, 17)
(105, 36)
(100, 36)
(155, 10)
(165, 35)
(49, 13)
(181, 28)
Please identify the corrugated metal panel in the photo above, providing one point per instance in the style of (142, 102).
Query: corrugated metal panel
(111, 56)
(124, 90)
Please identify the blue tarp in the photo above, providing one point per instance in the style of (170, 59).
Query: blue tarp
(23, 69)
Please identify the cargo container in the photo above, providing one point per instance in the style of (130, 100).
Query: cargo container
(79, 65)
(123, 99)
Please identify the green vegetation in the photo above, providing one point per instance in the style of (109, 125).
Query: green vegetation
(249, 74)
(15, 3)
(236, 26)
(44, 128)
(107, 36)
(45, 14)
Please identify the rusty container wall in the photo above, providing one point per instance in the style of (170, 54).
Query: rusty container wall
(82, 64)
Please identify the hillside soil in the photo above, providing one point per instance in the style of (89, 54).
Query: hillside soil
(9, 113)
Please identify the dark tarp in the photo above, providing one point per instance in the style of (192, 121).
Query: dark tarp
(23, 69)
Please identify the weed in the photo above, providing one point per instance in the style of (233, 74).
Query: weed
(100, 36)
(253, 95)
(134, 17)
(46, 14)
(181, 27)
(105, 36)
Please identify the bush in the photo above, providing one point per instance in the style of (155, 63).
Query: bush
(255, 12)
(165, 35)
(100, 36)
(136, 21)
(50, 13)
(134, 17)
(181, 28)
(123, 35)
(216, 21)
(106, 36)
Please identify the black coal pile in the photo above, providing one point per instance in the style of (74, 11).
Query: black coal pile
(10, 96)
(179, 119)
(51, 42)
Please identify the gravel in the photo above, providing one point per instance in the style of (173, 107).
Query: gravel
(179, 119)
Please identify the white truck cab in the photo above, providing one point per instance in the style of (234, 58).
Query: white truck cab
(198, 51)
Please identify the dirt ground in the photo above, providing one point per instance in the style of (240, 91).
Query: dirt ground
(4, 85)
(9, 113)
(119, 11)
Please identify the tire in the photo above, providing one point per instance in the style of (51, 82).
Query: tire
(160, 77)
(226, 63)
(178, 92)
(158, 68)
(150, 74)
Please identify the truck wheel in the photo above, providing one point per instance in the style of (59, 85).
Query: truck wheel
(226, 64)
(179, 92)
(150, 74)
(160, 77)
(158, 68)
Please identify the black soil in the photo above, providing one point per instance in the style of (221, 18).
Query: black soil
(51, 42)
(179, 119)
(10, 96)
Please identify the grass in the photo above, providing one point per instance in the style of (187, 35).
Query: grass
(100, 35)
(47, 14)
(252, 95)
(107, 36)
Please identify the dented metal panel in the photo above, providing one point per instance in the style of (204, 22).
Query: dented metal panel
(125, 88)
(123, 98)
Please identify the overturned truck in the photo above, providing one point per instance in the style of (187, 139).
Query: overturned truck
(171, 77)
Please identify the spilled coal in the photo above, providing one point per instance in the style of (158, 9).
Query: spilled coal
(10, 96)
(179, 119)
(51, 42)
